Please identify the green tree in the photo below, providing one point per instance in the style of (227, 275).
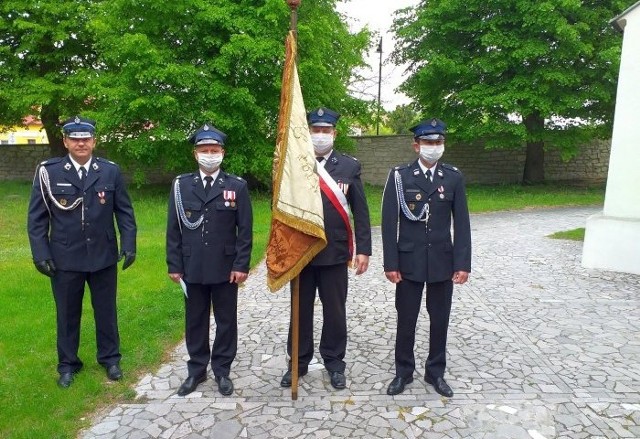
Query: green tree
(401, 119)
(510, 72)
(167, 67)
(44, 51)
(151, 71)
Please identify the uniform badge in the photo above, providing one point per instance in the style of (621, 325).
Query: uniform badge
(229, 198)
(320, 112)
(95, 166)
(440, 174)
(63, 201)
(418, 197)
(67, 166)
(101, 196)
(77, 119)
(205, 127)
(442, 196)
(344, 187)
(334, 160)
(441, 189)
(416, 172)
(412, 206)
(434, 122)
(188, 213)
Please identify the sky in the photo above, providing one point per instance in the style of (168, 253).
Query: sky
(378, 15)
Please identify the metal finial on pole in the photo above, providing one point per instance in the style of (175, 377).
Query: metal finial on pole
(293, 4)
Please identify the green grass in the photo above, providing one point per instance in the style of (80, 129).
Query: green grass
(150, 306)
(573, 235)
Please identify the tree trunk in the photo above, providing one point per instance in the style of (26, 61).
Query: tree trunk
(50, 116)
(534, 162)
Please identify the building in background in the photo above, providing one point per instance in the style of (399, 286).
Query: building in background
(30, 133)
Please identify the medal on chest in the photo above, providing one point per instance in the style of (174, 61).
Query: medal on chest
(229, 198)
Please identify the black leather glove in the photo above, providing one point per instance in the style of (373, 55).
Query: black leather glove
(46, 267)
(129, 258)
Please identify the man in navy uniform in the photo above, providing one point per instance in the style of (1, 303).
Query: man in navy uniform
(73, 241)
(209, 238)
(419, 201)
(342, 191)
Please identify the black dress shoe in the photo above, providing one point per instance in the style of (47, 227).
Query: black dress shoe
(114, 373)
(286, 378)
(190, 384)
(440, 385)
(225, 385)
(65, 379)
(338, 380)
(397, 385)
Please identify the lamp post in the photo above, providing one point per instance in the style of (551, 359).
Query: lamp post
(379, 50)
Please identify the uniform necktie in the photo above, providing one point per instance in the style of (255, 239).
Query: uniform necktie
(319, 159)
(83, 173)
(428, 174)
(207, 186)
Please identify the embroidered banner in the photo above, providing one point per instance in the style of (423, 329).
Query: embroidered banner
(297, 225)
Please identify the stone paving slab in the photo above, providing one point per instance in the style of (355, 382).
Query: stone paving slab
(539, 348)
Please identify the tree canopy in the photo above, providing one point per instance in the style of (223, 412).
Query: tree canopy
(44, 50)
(151, 72)
(514, 71)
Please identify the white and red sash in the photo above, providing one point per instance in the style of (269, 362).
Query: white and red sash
(338, 199)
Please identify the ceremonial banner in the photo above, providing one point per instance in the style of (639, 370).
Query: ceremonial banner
(297, 225)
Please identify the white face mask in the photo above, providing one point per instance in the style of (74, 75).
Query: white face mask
(431, 154)
(210, 162)
(322, 142)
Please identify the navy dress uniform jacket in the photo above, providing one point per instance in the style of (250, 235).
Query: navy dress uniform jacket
(222, 243)
(61, 235)
(426, 252)
(344, 170)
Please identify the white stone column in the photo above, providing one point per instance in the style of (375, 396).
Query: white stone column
(612, 237)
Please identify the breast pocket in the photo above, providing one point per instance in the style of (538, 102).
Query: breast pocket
(445, 197)
(192, 209)
(105, 193)
(230, 206)
(415, 199)
(64, 195)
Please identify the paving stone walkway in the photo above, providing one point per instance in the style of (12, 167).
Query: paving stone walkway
(539, 347)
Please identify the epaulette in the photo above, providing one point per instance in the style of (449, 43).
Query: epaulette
(189, 174)
(397, 168)
(103, 160)
(349, 156)
(235, 177)
(51, 161)
(451, 167)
